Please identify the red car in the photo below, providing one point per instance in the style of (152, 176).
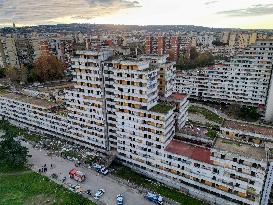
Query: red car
(77, 175)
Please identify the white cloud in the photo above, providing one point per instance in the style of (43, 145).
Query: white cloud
(255, 10)
(40, 12)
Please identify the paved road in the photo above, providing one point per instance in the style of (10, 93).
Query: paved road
(93, 182)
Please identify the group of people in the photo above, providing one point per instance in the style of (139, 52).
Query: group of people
(44, 168)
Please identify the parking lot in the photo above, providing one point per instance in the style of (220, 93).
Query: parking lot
(93, 182)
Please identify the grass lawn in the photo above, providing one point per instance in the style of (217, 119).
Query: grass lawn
(32, 137)
(29, 188)
(171, 193)
(206, 113)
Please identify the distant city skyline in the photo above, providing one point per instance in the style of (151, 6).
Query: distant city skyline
(246, 14)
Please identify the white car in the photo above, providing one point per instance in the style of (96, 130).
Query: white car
(97, 167)
(119, 199)
(104, 171)
(99, 193)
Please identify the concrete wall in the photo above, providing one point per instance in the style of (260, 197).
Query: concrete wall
(269, 103)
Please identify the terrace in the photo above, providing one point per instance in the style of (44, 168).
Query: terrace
(240, 149)
(60, 110)
(151, 68)
(196, 131)
(3, 91)
(198, 153)
(247, 127)
(54, 86)
(161, 108)
(177, 97)
(30, 100)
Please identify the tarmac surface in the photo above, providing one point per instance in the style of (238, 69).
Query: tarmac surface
(93, 182)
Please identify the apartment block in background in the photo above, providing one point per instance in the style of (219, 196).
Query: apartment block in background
(8, 52)
(246, 79)
(161, 44)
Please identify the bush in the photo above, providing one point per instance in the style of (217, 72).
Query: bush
(212, 133)
(249, 113)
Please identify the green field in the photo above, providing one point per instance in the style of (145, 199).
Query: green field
(171, 193)
(29, 188)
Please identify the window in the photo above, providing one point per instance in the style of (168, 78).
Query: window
(232, 176)
(241, 161)
(196, 165)
(254, 165)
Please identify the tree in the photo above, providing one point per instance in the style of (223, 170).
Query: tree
(23, 74)
(48, 67)
(249, 113)
(195, 60)
(12, 74)
(193, 53)
(218, 43)
(12, 153)
(204, 59)
(2, 72)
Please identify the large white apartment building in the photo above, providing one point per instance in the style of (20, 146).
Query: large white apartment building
(117, 105)
(246, 79)
(87, 101)
(38, 115)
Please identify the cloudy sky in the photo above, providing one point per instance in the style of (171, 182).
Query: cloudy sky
(213, 13)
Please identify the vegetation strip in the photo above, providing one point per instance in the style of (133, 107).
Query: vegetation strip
(206, 113)
(140, 180)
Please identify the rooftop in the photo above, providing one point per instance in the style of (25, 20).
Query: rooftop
(246, 127)
(161, 108)
(54, 86)
(3, 91)
(193, 152)
(240, 149)
(151, 68)
(194, 130)
(178, 96)
(31, 100)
